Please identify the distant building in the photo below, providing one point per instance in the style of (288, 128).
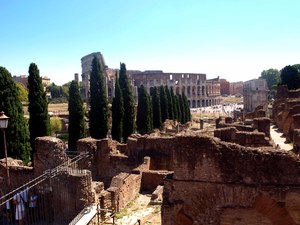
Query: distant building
(236, 88)
(255, 94)
(23, 79)
(76, 77)
(199, 91)
(109, 75)
(224, 87)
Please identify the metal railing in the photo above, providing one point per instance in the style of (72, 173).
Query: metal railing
(31, 203)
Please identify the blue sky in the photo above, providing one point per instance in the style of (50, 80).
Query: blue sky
(233, 39)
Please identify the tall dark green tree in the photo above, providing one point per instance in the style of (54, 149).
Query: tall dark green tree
(163, 104)
(143, 117)
(182, 109)
(151, 111)
(188, 116)
(177, 103)
(170, 103)
(117, 113)
(175, 111)
(39, 122)
(156, 109)
(98, 115)
(129, 113)
(290, 77)
(17, 133)
(76, 127)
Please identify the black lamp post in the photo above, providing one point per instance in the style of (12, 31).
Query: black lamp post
(3, 126)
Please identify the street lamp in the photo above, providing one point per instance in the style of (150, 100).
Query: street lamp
(3, 126)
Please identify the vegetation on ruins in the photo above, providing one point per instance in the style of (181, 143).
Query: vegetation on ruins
(175, 111)
(290, 76)
(170, 103)
(163, 104)
(98, 114)
(129, 114)
(76, 129)
(156, 109)
(17, 132)
(39, 122)
(117, 113)
(143, 118)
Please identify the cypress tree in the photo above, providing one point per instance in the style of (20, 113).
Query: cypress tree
(178, 108)
(182, 109)
(76, 116)
(156, 109)
(39, 121)
(117, 113)
(17, 133)
(175, 111)
(98, 115)
(170, 103)
(129, 114)
(151, 111)
(143, 117)
(188, 115)
(163, 104)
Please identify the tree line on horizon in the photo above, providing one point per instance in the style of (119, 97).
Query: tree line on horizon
(289, 75)
(152, 110)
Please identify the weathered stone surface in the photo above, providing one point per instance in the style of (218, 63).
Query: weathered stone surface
(50, 152)
(219, 183)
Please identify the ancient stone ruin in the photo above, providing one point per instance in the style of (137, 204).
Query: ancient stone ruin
(232, 176)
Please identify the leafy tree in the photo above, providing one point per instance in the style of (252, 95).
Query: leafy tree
(290, 77)
(23, 92)
(98, 115)
(129, 114)
(175, 110)
(156, 109)
(143, 118)
(17, 133)
(117, 113)
(56, 125)
(163, 104)
(77, 129)
(170, 103)
(182, 109)
(271, 76)
(39, 122)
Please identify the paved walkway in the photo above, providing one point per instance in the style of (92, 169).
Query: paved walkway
(278, 139)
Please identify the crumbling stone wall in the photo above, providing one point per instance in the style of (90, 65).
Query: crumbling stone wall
(124, 188)
(285, 107)
(231, 134)
(71, 192)
(50, 152)
(221, 183)
(257, 113)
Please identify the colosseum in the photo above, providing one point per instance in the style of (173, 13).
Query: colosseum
(200, 91)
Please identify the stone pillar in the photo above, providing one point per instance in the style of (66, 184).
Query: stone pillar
(201, 124)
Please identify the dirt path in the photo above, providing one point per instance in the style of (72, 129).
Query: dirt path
(140, 209)
(278, 139)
